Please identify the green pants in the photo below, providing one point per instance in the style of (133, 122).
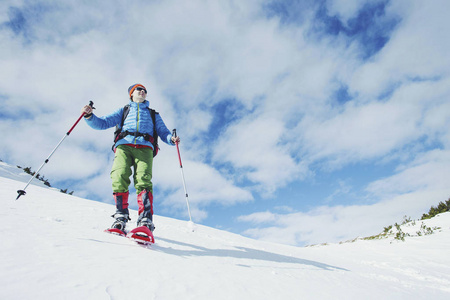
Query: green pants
(127, 158)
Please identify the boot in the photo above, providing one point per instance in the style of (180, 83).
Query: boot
(120, 222)
(147, 223)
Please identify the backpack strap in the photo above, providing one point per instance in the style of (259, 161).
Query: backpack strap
(117, 132)
(126, 110)
(155, 133)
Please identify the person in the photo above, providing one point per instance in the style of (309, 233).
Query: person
(134, 150)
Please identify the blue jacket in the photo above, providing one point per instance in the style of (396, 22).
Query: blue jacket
(138, 120)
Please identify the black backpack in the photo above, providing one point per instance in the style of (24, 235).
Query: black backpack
(119, 134)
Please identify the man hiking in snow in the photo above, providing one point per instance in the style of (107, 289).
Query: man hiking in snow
(134, 149)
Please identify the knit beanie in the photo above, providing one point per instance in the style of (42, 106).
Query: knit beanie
(131, 88)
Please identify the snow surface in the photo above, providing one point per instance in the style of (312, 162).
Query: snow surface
(54, 247)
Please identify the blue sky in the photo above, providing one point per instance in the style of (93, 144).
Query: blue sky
(301, 121)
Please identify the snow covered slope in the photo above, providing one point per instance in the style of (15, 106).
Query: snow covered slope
(53, 247)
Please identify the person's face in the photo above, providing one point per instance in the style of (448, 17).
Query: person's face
(139, 94)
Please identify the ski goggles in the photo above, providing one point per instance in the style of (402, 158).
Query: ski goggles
(141, 89)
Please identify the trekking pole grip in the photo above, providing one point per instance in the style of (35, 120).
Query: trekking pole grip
(91, 104)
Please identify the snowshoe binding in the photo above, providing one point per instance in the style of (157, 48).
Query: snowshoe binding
(147, 222)
(118, 227)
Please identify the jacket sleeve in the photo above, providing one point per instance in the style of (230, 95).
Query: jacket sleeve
(162, 130)
(102, 123)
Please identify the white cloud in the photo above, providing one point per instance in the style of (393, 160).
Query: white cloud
(417, 49)
(204, 185)
(332, 224)
(363, 131)
(428, 172)
(259, 217)
(255, 146)
(411, 191)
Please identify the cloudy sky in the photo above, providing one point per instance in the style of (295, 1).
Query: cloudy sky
(301, 121)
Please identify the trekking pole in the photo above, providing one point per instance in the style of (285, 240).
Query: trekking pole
(22, 192)
(174, 133)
